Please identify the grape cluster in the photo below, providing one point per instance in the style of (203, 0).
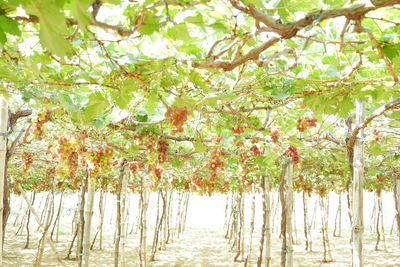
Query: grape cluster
(274, 133)
(239, 142)
(64, 148)
(43, 185)
(158, 172)
(50, 173)
(99, 160)
(39, 121)
(215, 162)
(255, 150)
(196, 183)
(27, 160)
(177, 116)
(243, 166)
(239, 129)
(68, 152)
(73, 163)
(303, 184)
(216, 139)
(376, 135)
(146, 139)
(321, 190)
(293, 153)
(162, 149)
(380, 178)
(306, 122)
(134, 166)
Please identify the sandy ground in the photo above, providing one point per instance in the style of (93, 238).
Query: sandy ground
(203, 246)
(207, 247)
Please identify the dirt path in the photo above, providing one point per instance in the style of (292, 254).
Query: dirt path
(196, 248)
(207, 248)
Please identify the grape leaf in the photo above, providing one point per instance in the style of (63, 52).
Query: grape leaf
(81, 13)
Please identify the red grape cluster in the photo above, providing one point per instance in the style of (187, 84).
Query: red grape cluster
(50, 173)
(216, 139)
(64, 149)
(177, 117)
(70, 153)
(215, 162)
(239, 142)
(380, 178)
(134, 166)
(162, 149)
(158, 172)
(243, 163)
(255, 150)
(239, 129)
(196, 183)
(73, 162)
(304, 184)
(274, 133)
(27, 160)
(321, 190)
(40, 119)
(99, 160)
(306, 122)
(293, 153)
(147, 140)
(376, 135)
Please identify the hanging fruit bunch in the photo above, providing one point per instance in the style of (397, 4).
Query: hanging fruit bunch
(99, 160)
(292, 152)
(238, 129)
(196, 184)
(38, 122)
(134, 167)
(67, 154)
(304, 185)
(321, 190)
(162, 149)
(274, 134)
(305, 123)
(27, 160)
(177, 116)
(158, 171)
(215, 162)
(375, 138)
(244, 157)
(255, 150)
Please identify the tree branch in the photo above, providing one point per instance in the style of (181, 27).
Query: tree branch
(14, 117)
(394, 104)
(290, 29)
(380, 53)
(253, 54)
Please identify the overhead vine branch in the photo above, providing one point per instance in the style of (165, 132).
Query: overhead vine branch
(380, 53)
(290, 29)
(394, 104)
(253, 54)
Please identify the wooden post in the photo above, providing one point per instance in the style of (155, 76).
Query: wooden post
(253, 211)
(143, 224)
(123, 217)
(396, 194)
(88, 224)
(267, 199)
(42, 227)
(286, 198)
(358, 184)
(289, 212)
(3, 152)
